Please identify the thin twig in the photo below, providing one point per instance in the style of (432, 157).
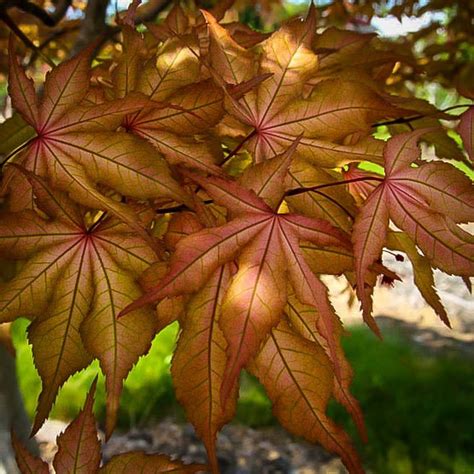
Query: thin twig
(418, 117)
(25, 40)
(296, 191)
(238, 147)
(54, 36)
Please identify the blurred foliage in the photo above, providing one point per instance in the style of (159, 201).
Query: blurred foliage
(52, 30)
(418, 406)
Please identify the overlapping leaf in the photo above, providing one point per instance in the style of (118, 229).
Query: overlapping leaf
(77, 277)
(427, 201)
(265, 245)
(279, 111)
(193, 106)
(76, 146)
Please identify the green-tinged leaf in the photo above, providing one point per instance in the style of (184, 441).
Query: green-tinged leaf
(14, 132)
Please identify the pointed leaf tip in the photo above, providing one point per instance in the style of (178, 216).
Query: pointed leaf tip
(79, 445)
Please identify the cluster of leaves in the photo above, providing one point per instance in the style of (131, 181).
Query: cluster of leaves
(79, 451)
(209, 174)
(441, 48)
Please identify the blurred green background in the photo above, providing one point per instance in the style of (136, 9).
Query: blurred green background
(418, 405)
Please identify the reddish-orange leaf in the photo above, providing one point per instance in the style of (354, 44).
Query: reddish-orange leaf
(298, 378)
(199, 364)
(427, 202)
(73, 149)
(267, 246)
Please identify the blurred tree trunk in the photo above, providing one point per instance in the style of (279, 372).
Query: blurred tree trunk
(12, 411)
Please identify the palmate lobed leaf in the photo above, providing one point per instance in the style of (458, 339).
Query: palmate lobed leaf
(72, 147)
(192, 105)
(280, 110)
(427, 202)
(79, 452)
(80, 277)
(265, 246)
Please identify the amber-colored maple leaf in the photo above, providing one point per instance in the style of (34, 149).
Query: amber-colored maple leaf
(77, 145)
(268, 246)
(265, 245)
(79, 273)
(280, 109)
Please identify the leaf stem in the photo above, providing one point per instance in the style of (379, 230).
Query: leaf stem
(296, 191)
(180, 208)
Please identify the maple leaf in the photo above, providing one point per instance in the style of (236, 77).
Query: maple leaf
(78, 275)
(187, 107)
(76, 144)
(427, 201)
(298, 378)
(79, 452)
(278, 110)
(267, 246)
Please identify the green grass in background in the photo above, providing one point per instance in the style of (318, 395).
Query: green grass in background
(418, 408)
